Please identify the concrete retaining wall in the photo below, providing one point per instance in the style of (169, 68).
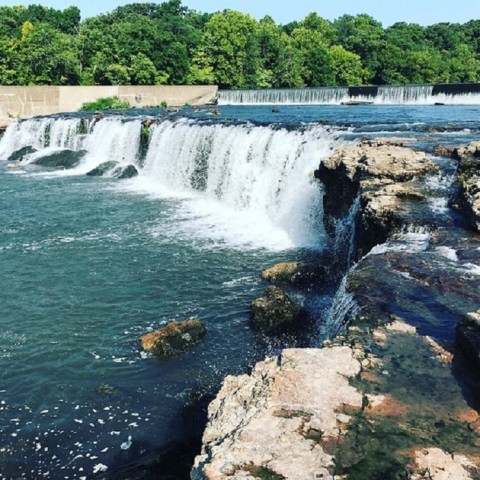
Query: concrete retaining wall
(29, 101)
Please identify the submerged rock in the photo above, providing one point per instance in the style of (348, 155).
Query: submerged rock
(64, 159)
(129, 171)
(175, 338)
(19, 155)
(468, 337)
(275, 311)
(102, 169)
(279, 421)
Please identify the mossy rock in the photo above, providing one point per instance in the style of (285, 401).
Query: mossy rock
(62, 159)
(275, 311)
(102, 169)
(19, 155)
(174, 339)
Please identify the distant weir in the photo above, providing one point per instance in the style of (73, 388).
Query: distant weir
(447, 94)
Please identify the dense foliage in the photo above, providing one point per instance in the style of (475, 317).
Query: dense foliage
(167, 43)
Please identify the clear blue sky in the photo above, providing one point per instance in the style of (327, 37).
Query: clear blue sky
(424, 12)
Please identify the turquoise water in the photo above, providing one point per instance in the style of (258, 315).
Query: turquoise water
(90, 264)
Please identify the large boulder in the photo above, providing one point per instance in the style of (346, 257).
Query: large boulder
(468, 337)
(275, 311)
(175, 338)
(61, 159)
(102, 169)
(20, 154)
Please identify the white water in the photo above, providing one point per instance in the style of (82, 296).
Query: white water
(386, 95)
(243, 185)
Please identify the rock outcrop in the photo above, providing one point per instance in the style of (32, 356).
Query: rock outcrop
(381, 173)
(175, 338)
(468, 180)
(274, 311)
(468, 337)
(282, 419)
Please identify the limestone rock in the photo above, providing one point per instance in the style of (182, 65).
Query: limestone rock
(175, 338)
(468, 337)
(280, 419)
(274, 311)
(61, 159)
(378, 171)
(378, 159)
(286, 272)
(102, 169)
(440, 465)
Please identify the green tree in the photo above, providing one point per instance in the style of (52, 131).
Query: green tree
(230, 42)
(315, 58)
(142, 70)
(347, 67)
(364, 36)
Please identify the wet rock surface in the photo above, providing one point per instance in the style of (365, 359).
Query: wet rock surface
(20, 154)
(274, 311)
(468, 180)
(174, 339)
(468, 337)
(62, 159)
(129, 171)
(382, 173)
(102, 169)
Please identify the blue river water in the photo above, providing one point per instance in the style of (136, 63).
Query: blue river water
(89, 264)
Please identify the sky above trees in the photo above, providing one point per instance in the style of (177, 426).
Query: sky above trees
(169, 43)
(424, 12)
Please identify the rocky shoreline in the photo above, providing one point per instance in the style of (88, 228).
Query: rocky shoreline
(391, 398)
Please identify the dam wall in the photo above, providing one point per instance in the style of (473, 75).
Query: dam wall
(426, 94)
(21, 102)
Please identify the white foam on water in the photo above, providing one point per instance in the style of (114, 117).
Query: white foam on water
(238, 185)
(414, 240)
(447, 252)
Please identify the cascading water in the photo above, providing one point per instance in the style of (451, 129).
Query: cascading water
(258, 179)
(242, 184)
(382, 95)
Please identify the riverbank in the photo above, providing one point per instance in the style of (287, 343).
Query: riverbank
(393, 395)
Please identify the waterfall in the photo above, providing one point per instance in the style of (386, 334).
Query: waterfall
(258, 176)
(294, 96)
(342, 310)
(107, 139)
(455, 94)
(243, 184)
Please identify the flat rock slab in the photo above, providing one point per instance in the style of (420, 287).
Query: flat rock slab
(279, 419)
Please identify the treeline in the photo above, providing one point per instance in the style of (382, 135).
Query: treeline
(167, 43)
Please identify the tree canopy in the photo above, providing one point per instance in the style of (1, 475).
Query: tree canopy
(168, 43)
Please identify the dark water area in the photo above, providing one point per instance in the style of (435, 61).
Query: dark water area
(89, 264)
